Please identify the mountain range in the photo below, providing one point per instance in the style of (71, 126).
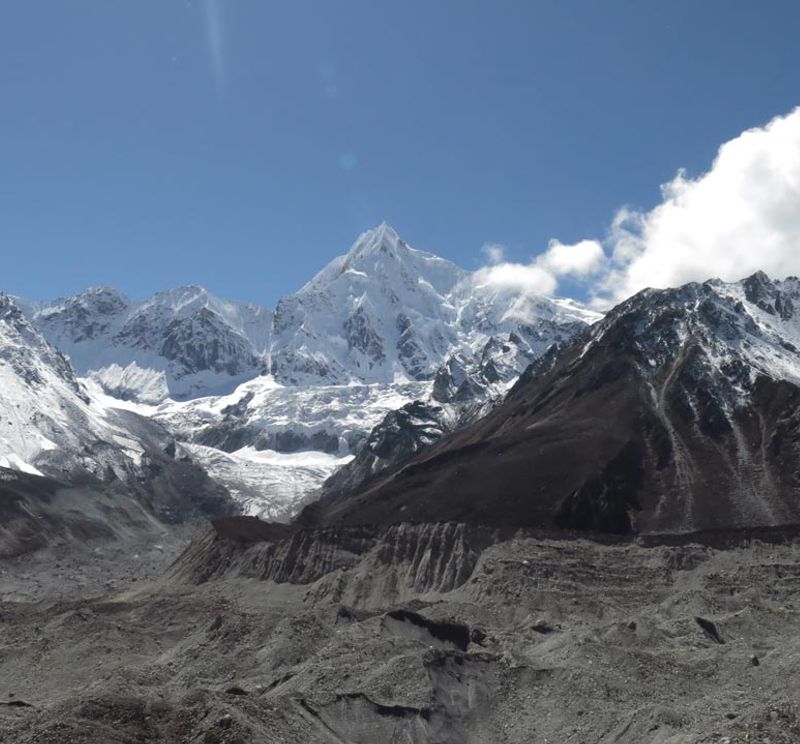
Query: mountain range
(73, 468)
(492, 516)
(393, 375)
(272, 402)
(677, 412)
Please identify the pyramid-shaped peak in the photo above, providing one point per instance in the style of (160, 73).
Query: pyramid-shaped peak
(381, 238)
(381, 254)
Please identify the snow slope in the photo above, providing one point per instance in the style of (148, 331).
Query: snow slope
(52, 426)
(268, 484)
(48, 423)
(385, 313)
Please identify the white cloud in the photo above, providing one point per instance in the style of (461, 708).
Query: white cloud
(741, 216)
(579, 260)
(495, 253)
(527, 278)
(541, 275)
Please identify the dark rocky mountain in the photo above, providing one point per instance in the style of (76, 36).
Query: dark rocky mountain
(222, 349)
(395, 440)
(676, 413)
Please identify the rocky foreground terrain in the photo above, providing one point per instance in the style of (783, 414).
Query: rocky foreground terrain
(418, 634)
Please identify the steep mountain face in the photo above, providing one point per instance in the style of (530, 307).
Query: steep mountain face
(178, 344)
(396, 439)
(65, 458)
(377, 314)
(678, 412)
(385, 312)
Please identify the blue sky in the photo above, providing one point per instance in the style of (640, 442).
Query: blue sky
(241, 144)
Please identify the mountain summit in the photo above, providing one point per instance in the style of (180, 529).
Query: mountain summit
(379, 313)
(386, 312)
(381, 253)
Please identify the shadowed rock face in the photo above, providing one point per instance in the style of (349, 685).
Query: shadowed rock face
(204, 341)
(667, 416)
(394, 441)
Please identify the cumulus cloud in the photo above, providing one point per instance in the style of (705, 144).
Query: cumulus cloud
(527, 278)
(741, 216)
(541, 276)
(581, 259)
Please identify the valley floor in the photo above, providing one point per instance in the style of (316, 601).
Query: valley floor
(565, 642)
(74, 571)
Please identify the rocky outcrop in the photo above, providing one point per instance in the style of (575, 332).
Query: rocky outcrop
(203, 341)
(357, 565)
(402, 434)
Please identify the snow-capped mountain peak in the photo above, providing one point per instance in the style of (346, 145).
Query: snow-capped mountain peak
(385, 311)
(179, 343)
(381, 255)
(383, 238)
(384, 243)
(378, 313)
